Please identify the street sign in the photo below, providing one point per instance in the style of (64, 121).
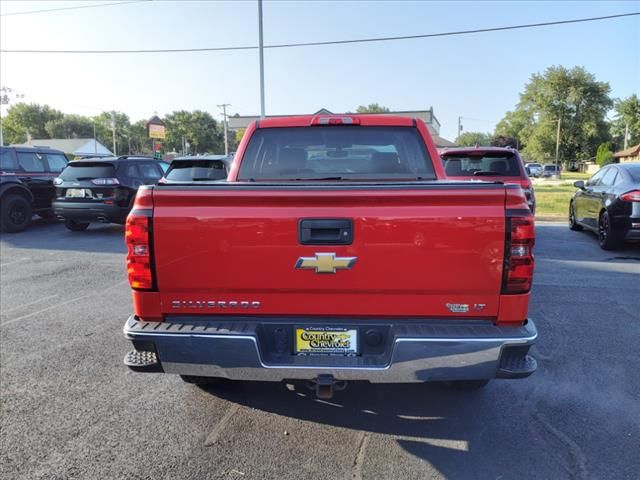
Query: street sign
(155, 128)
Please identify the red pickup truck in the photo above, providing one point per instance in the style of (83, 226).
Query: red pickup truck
(336, 250)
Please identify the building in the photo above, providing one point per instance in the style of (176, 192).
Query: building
(631, 154)
(236, 122)
(73, 147)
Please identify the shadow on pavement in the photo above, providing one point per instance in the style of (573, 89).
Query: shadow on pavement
(52, 235)
(429, 421)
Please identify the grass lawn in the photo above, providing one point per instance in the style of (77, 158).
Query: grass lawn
(576, 176)
(553, 200)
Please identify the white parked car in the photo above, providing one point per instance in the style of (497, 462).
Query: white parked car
(534, 169)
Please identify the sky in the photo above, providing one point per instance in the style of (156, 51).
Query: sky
(477, 77)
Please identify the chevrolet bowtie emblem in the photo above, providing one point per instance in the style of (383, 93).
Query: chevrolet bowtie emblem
(326, 262)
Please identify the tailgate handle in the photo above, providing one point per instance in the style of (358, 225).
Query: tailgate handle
(325, 231)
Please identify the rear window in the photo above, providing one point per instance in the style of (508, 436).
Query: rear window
(634, 171)
(56, 162)
(8, 160)
(86, 171)
(488, 163)
(31, 161)
(336, 153)
(196, 170)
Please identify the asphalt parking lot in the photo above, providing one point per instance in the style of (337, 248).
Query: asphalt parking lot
(71, 410)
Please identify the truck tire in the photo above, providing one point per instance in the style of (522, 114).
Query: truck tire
(75, 226)
(15, 213)
(466, 384)
(201, 380)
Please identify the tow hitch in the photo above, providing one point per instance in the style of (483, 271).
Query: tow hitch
(325, 385)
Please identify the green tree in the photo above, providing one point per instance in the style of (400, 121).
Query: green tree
(236, 139)
(604, 155)
(27, 120)
(372, 108)
(104, 132)
(199, 129)
(515, 125)
(571, 95)
(70, 126)
(138, 141)
(473, 138)
(626, 116)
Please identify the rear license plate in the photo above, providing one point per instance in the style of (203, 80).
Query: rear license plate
(78, 193)
(326, 341)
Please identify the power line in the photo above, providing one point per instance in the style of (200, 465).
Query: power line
(29, 12)
(335, 42)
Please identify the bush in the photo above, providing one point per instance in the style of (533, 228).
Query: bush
(604, 155)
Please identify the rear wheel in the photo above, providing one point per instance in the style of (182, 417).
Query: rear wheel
(607, 237)
(572, 219)
(75, 226)
(466, 384)
(201, 380)
(15, 213)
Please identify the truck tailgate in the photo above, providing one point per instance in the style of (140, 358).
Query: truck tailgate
(426, 250)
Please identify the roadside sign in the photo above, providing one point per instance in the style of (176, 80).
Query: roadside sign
(155, 128)
(156, 131)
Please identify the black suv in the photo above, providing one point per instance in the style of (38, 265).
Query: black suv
(102, 189)
(26, 184)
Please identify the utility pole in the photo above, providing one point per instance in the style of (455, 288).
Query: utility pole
(261, 49)
(113, 131)
(558, 148)
(226, 137)
(459, 126)
(626, 135)
(95, 140)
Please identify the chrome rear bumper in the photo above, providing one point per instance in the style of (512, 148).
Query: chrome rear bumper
(417, 351)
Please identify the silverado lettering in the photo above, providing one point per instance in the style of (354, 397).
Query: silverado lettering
(368, 263)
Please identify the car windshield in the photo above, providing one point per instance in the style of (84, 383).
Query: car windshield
(196, 170)
(483, 163)
(87, 170)
(336, 153)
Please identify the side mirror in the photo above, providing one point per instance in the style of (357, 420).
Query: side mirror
(579, 184)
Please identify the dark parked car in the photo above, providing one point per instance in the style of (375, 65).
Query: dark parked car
(102, 189)
(198, 168)
(609, 204)
(550, 170)
(26, 184)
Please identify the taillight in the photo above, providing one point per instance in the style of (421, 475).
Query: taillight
(632, 196)
(139, 254)
(518, 255)
(105, 181)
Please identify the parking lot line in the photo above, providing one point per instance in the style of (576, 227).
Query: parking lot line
(217, 430)
(32, 314)
(43, 299)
